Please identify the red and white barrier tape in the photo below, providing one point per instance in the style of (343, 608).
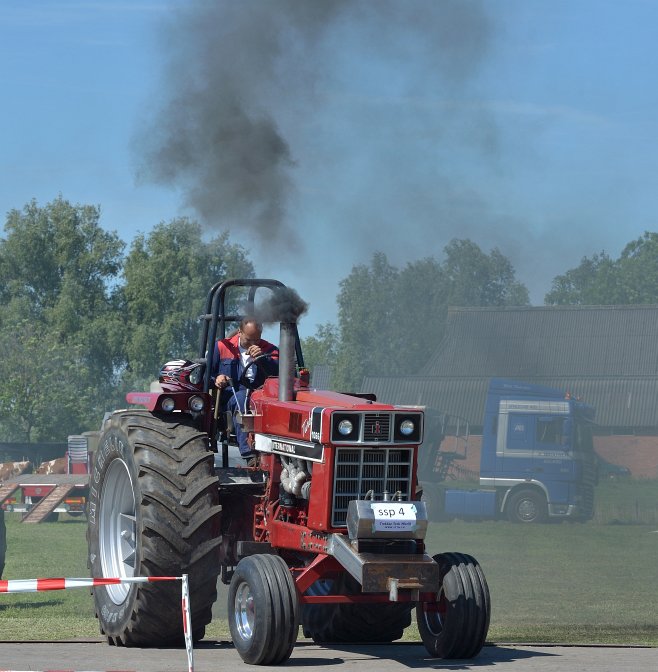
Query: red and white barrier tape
(37, 585)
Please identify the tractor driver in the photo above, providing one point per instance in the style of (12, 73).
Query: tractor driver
(235, 374)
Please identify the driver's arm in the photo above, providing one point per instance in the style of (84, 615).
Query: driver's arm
(222, 381)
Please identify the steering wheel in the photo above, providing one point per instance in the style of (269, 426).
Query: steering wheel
(243, 378)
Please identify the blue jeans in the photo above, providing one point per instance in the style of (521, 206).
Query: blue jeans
(232, 406)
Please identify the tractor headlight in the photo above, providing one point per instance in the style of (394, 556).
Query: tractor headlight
(196, 404)
(345, 427)
(167, 404)
(196, 374)
(407, 428)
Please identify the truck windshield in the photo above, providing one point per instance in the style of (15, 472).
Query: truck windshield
(551, 430)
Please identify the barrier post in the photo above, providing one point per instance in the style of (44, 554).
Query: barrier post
(187, 622)
(45, 584)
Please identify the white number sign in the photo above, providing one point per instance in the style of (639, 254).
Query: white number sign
(394, 516)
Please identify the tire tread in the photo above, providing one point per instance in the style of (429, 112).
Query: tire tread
(178, 499)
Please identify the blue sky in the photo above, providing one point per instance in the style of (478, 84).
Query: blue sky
(529, 125)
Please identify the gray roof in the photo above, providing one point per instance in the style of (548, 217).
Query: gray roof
(619, 402)
(607, 355)
(321, 377)
(555, 341)
(463, 397)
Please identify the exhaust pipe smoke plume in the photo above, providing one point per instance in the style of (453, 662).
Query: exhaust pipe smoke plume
(216, 136)
(238, 122)
(284, 305)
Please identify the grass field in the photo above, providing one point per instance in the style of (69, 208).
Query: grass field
(563, 583)
(572, 583)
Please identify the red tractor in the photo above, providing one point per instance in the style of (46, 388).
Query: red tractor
(327, 525)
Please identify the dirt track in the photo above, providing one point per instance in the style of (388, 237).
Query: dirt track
(219, 656)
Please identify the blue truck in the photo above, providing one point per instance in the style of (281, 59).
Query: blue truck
(537, 459)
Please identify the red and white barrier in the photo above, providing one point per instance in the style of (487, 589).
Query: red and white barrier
(37, 585)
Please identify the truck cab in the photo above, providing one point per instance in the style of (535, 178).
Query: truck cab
(537, 461)
(537, 453)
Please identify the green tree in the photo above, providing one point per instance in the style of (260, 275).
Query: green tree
(42, 397)
(475, 278)
(321, 349)
(392, 320)
(601, 280)
(638, 270)
(167, 276)
(56, 253)
(58, 271)
(421, 300)
(365, 313)
(594, 282)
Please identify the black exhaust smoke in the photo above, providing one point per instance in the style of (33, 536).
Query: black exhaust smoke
(283, 305)
(233, 146)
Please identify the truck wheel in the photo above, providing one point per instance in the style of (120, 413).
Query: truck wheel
(3, 541)
(263, 610)
(342, 622)
(153, 511)
(456, 625)
(527, 506)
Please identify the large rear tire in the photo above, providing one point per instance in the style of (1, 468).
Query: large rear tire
(153, 511)
(3, 541)
(343, 622)
(456, 625)
(263, 610)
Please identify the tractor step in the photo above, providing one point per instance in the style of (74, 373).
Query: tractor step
(240, 476)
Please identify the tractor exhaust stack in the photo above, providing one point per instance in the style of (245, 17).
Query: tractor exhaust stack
(286, 360)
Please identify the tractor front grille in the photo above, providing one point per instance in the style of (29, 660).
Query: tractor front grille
(377, 427)
(368, 473)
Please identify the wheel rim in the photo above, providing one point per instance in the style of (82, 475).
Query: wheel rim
(117, 528)
(527, 510)
(243, 612)
(434, 614)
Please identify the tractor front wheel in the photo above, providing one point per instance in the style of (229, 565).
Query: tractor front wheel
(456, 624)
(263, 610)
